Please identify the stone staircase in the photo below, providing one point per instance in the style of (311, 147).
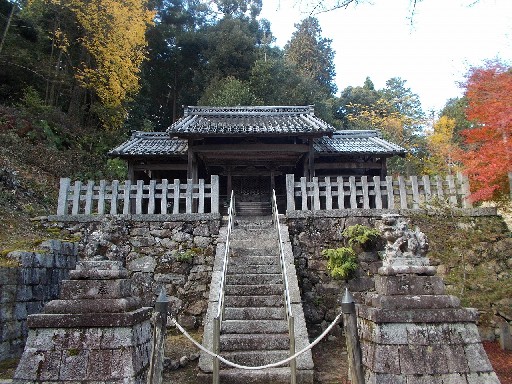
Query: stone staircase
(254, 330)
(253, 208)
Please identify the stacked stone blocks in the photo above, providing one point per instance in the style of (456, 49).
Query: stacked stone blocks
(171, 251)
(97, 332)
(26, 288)
(411, 331)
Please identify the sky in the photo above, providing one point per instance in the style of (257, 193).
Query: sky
(377, 39)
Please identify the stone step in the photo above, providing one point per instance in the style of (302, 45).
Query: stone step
(254, 279)
(254, 290)
(254, 313)
(264, 376)
(254, 242)
(248, 342)
(254, 327)
(241, 231)
(253, 269)
(254, 301)
(253, 208)
(255, 358)
(263, 259)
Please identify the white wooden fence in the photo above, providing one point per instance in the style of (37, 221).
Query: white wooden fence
(137, 198)
(376, 193)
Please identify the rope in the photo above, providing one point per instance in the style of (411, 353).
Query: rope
(272, 365)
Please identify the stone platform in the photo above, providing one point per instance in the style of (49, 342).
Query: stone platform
(97, 332)
(413, 332)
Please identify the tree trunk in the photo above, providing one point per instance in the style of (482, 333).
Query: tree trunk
(4, 35)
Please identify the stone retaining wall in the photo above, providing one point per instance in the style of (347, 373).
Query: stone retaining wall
(174, 251)
(311, 232)
(25, 289)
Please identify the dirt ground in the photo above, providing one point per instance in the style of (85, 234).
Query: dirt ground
(501, 361)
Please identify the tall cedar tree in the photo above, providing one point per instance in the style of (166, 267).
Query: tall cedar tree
(488, 156)
(312, 54)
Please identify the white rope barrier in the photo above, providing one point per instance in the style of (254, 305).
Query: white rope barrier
(272, 365)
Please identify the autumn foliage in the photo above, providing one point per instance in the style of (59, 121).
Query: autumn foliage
(487, 158)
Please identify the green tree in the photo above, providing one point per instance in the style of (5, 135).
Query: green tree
(173, 74)
(231, 48)
(353, 101)
(312, 55)
(240, 8)
(227, 92)
(455, 109)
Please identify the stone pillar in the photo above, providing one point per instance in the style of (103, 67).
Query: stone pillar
(96, 332)
(411, 331)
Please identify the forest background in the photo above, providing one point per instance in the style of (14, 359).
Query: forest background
(77, 76)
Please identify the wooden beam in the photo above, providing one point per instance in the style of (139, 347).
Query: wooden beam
(160, 167)
(351, 165)
(260, 147)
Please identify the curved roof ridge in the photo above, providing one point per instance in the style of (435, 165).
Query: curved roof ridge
(250, 110)
(241, 120)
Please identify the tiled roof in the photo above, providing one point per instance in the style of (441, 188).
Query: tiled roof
(151, 144)
(357, 142)
(228, 121)
(342, 142)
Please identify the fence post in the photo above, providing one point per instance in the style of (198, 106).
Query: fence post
(157, 355)
(63, 196)
(352, 339)
(465, 190)
(214, 194)
(290, 192)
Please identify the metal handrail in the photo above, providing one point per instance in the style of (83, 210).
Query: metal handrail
(231, 214)
(275, 219)
(287, 299)
(217, 320)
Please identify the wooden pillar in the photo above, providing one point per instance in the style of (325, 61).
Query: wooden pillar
(229, 182)
(192, 163)
(305, 166)
(131, 172)
(311, 160)
(383, 168)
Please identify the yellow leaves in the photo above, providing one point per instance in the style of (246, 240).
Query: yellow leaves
(441, 147)
(113, 35)
(443, 132)
(61, 40)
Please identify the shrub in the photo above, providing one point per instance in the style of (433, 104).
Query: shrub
(342, 262)
(361, 235)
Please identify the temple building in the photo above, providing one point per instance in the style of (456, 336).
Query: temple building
(253, 148)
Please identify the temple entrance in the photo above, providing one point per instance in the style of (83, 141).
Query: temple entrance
(252, 188)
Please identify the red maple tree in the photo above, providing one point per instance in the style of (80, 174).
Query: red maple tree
(487, 158)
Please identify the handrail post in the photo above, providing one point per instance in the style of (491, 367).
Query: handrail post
(352, 339)
(157, 355)
(293, 363)
(216, 349)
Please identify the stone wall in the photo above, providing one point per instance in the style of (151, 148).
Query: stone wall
(25, 289)
(174, 251)
(485, 245)
(310, 233)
